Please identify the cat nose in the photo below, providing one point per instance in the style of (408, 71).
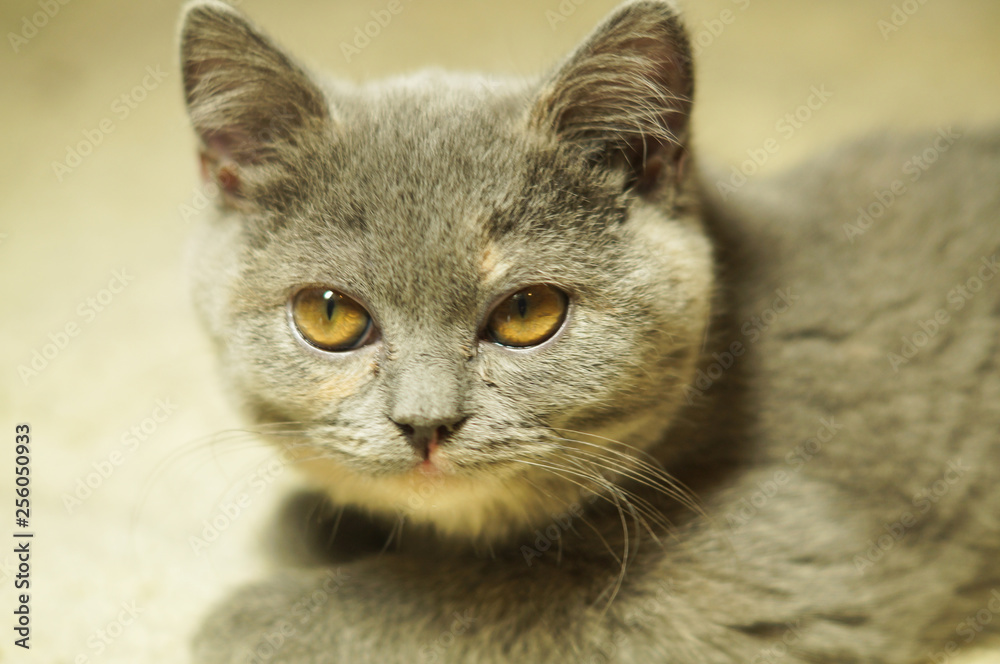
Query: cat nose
(426, 400)
(423, 438)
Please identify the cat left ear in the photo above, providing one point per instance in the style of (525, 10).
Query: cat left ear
(624, 96)
(252, 106)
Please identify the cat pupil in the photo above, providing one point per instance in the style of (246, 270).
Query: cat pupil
(331, 304)
(522, 304)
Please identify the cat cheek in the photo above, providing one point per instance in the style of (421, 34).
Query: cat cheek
(332, 392)
(342, 384)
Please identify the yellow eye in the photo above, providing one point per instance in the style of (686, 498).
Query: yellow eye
(330, 320)
(528, 317)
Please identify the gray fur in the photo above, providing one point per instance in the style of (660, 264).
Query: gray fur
(428, 198)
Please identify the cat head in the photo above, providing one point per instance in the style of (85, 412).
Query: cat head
(457, 299)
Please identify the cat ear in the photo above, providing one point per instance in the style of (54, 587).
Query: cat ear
(250, 103)
(625, 95)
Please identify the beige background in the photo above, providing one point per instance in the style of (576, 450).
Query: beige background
(120, 209)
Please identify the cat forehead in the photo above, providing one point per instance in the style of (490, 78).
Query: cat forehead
(444, 156)
(428, 131)
(436, 97)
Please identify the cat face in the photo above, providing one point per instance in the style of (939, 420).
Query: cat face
(445, 298)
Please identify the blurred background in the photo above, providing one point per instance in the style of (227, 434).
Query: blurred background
(101, 354)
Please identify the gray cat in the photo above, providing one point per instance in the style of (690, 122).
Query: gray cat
(570, 397)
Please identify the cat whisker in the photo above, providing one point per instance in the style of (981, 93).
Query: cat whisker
(620, 497)
(395, 533)
(235, 440)
(632, 448)
(675, 487)
(336, 526)
(625, 551)
(641, 476)
(616, 498)
(647, 509)
(557, 471)
(586, 521)
(175, 456)
(209, 441)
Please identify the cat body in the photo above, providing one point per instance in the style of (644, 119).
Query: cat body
(766, 428)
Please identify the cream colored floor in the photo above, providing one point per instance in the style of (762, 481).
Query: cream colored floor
(60, 243)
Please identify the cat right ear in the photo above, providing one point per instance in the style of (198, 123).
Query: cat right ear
(624, 97)
(251, 104)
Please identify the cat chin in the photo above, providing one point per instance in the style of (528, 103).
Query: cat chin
(483, 508)
(499, 501)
